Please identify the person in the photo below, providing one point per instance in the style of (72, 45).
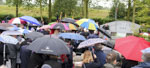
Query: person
(89, 61)
(106, 27)
(56, 33)
(2, 61)
(92, 35)
(128, 63)
(145, 58)
(101, 56)
(36, 60)
(67, 59)
(111, 60)
(25, 53)
(52, 62)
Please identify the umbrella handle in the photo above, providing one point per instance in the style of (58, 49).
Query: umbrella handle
(4, 54)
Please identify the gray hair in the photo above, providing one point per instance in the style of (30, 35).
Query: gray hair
(146, 57)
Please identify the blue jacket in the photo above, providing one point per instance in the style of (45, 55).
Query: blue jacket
(101, 56)
(143, 65)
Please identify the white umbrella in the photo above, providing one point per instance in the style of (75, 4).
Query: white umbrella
(12, 33)
(90, 42)
(8, 39)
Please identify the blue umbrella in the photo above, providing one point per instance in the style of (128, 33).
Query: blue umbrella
(31, 20)
(72, 36)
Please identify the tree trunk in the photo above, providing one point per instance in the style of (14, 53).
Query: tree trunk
(82, 9)
(129, 8)
(17, 8)
(86, 8)
(133, 19)
(50, 11)
(41, 12)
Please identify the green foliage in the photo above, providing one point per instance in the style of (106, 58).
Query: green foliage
(142, 36)
(121, 11)
(67, 7)
(143, 11)
(13, 2)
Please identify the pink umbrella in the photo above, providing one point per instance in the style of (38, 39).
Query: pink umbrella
(17, 21)
(45, 27)
(62, 26)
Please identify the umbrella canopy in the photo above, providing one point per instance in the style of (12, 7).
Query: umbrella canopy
(90, 42)
(71, 26)
(31, 20)
(62, 26)
(33, 35)
(68, 20)
(17, 21)
(130, 47)
(72, 36)
(7, 25)
(51, 23)
(24, 31)
(47, 45)
(12, 33)
(88, 24)
(45, 27)
(8, 39)
(3, 28)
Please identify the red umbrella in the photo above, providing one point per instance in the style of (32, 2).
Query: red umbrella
(17, 21)
(130, 47)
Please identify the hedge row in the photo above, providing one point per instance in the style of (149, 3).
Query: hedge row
(9, 16)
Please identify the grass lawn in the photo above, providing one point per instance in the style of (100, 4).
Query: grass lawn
(93, 13)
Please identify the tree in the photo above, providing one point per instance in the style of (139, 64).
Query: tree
(16, 3)
(118, 10)
(86, 2)
(50, 11)
(134, 7)
(66, 7)
(129, 9)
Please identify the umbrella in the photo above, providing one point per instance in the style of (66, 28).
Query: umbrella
(17, 21)
(62, 26)
(24, 31)
(31, 20)
(145, 34)
(33, 35)
(51, 23)
(3, 28)
(88, 24)
(68, 20)
(71, 26)
(47, 45)
(72, 36)
(7, 25)
(8, 39)
(45, 27)
(104, 32)
(90, 42)
(130, 47)
(12, 33)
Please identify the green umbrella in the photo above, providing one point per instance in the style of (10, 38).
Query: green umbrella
(51, 23)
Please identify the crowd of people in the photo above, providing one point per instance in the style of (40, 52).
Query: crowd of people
(92, 57)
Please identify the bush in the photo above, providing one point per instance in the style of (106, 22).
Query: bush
(6, 17)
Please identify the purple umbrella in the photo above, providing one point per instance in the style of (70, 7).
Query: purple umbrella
(31, 20)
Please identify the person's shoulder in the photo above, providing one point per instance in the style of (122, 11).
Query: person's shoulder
(108, 65)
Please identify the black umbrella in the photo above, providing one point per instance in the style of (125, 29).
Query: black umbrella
(33, 35)
(48, 45)
(68, 20)
(104, 32)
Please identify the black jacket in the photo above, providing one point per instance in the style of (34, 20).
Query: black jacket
(95, 64)
(1, 53)
(53, 63)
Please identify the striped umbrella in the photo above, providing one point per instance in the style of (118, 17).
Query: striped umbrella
(17, 21)
(88, 24)
(62, 26)
(71, 26)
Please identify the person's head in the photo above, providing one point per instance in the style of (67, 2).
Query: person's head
(146, 55)
(87, 57)
(91, 31)
(56, 31)
(98, 46)
(111, 57)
